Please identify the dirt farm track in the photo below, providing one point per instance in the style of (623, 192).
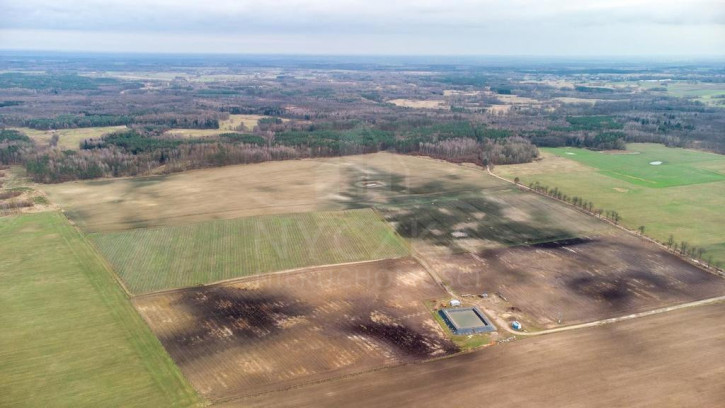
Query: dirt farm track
(617, 365)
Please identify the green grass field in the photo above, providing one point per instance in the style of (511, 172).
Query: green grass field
(69, 336)
(172, 257)
(678, 166)
(712, 94)
(691, 212)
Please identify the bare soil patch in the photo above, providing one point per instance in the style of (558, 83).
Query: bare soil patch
(499, 109)
(258, 189)
(283, 330)
(419, 104)
(647, 362)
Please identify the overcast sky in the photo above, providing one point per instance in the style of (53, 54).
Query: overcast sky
(371, 27)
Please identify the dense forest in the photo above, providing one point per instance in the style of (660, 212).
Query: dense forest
(475, 113)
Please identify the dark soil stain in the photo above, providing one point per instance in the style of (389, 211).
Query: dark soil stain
(228, 316)
(612, 290)
(407, 342)
(403, 339)
(619, 291)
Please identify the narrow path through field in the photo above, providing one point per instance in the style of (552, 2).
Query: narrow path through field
(260, 276)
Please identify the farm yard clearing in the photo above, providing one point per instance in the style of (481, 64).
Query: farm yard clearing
(179, 256)
(574, 281)
(277, 331)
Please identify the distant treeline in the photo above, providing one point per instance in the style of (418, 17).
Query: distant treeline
(510, 150)
(170, 120)
(59, 82)
(145, 148)
(135, 152)
(591, 132)
(597, 141)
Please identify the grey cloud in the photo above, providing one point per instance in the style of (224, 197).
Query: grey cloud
(314, 16)
(506, 27)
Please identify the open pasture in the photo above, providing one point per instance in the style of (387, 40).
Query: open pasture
(266, 188)
(279, 331)
(69, 335)
(651, 165)
(577, 280)
(712, 94)
(690, 212)
(249, 122)
(235, 123)
(68, 139)
(178, 256)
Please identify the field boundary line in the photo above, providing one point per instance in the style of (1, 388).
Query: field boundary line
(102, 260)
(263, 275)
(407, 244)
(437, 279)
(689, 260)
(632, 316)
(130, 322)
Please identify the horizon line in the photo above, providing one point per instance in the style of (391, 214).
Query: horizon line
(323, 55)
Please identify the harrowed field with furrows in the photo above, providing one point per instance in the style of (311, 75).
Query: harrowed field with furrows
(173, 257)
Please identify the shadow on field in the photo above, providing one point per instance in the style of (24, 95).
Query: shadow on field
(440, 211)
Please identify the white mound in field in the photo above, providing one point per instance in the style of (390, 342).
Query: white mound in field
(655, 163)
(570, 153)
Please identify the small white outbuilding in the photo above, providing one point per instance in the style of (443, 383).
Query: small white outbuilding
(455, 302)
